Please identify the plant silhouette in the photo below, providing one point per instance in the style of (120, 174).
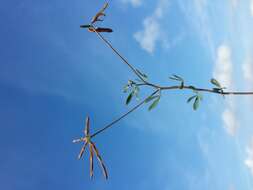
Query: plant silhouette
(133, 87)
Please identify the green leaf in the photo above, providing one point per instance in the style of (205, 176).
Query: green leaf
(181, 85)
(129, 98)
(215, 82)
(150, 98)
(176, 77)
(196, 103)
(85, 26)
(191, 98)
(154, 104)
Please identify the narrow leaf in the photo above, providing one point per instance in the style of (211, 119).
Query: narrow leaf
(77, 140)
(100, 161)
(129, 98)
(215, 82)
(150, 98)
(178, 77)
(82, 151)
(173, 78)
(91, 161)
(85, 26)
(196, 103)
(154, 104)
(191, 98)
(87, 126)
(99, 29)
(99, 14)
(181, 85)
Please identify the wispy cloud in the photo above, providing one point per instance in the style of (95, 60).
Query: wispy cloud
(134, 3)
(197, 14)
(223, 72)
(231, 123)
(149, 35)
(152, 31)
(223, 67)
(247, 69)
(249, 160)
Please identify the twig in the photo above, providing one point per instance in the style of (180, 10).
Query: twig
(118, 54)
(124, 115)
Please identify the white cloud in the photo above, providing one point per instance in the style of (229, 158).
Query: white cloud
(152, 32)
(251, 7)
(247, 69)
(134, 3)
(249, 160)
(223, 68)
(223, 72)
(197, 13)
(230, 122)
(149, 35)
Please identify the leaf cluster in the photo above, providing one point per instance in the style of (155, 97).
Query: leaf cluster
(197, 99)
(218, 88)
(178, 78)
(155, 99)
(133, 89)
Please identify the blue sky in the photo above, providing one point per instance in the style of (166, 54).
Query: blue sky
(53, 74)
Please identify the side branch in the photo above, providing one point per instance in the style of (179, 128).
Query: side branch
(124, 115)
(118, 54)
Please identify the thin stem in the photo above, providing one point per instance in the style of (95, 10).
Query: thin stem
(118, 54)
(206, 90)
(162, 88)
(121, 117)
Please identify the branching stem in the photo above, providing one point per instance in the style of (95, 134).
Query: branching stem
(152, 85)
(145, 83)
